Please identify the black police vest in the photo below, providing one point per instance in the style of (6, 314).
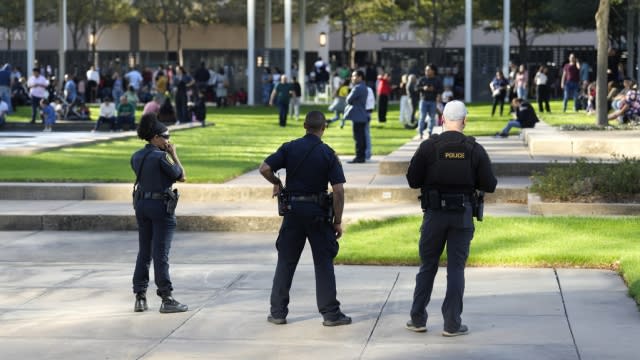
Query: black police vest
(453, 169)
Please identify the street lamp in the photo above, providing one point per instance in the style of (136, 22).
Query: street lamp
(322, 39)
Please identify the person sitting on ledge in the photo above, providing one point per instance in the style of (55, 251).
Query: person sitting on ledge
(107, 114)
(628, 108)
(525, 117)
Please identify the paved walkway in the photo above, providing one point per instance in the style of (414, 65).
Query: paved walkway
(66, 295)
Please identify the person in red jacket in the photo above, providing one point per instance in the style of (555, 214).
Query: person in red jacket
(384, 91)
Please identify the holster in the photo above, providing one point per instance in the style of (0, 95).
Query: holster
(478, 205)
(135, 194)
(326, 203)
(171, 200)
(284, 202)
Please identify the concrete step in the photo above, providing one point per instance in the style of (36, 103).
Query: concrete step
(61, 125)
(219, 216)
(380, 189)
(500, 168)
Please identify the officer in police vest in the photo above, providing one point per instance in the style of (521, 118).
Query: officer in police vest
(448, 168)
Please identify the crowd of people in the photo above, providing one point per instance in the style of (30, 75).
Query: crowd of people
(181, 95)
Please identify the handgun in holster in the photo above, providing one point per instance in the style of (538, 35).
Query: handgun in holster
(171, 200)
(326, 203)
(478, 205)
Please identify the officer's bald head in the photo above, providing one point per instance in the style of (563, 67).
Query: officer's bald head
(315, 121)
(455, 116)
(454, 111)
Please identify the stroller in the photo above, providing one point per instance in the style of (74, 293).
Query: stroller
(76, 110)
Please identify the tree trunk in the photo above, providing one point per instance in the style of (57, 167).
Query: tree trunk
(9, 39)
(344, 34)
(352, 49)
(434, 28)
(524, 46)
(602, 29)
(179, 42)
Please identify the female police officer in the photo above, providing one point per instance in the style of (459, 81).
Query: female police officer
(156, 167)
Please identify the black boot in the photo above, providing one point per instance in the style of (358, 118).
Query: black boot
(171, 305)
(141, 302)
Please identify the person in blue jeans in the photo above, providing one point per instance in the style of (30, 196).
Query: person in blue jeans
(525, 117)
(570, 82)
(281, 96)
(429, 88)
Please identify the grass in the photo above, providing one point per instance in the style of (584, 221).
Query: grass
(241, 139)
(609, 243)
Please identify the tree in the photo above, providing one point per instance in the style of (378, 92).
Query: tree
(13, 12)
(440, 18)
(104, 14)
(164, 13)
(529, 19)
(78, 20)
(355, 17)
(602, 27)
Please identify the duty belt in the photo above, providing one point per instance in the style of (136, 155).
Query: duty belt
(152, 196)
(310, 198)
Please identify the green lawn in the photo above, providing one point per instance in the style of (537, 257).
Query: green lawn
(610, 243)
(241, 139)
(239, 142)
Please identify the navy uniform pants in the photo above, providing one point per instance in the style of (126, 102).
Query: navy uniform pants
(294, 231)
(155, 232)
(455, 229)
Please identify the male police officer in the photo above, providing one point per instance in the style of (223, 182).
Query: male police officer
(448, 168)
(310, 164)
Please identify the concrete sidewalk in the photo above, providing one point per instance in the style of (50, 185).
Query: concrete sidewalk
(67, 295)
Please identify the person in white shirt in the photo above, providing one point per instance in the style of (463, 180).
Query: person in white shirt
(37, 85)
(4, 109)
(542, 88)
(93, 79)
(369, 106)
(107, 114)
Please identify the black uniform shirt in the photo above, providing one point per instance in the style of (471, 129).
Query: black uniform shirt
(159, 171)
(450, 162)
(321, 166)
(432, 93)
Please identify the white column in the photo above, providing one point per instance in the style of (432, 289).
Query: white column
(302, 15)
(506, 33)
(251, 51)
(63, 41)
(468, 51)
(287, 38)
(267, 32)
(31, 52)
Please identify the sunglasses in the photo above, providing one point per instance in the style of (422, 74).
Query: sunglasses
(164, 136)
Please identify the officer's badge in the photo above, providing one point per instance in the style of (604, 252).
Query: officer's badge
(169, 159)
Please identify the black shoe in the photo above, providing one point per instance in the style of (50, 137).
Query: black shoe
(171, 305)
(276, 321)
(341, 320)
(413, 327)
(356, 161)
(141, 302)
(463, 330)
(501, 135)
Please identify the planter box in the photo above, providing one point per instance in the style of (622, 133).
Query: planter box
(538, 207)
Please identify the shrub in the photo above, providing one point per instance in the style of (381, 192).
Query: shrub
(586, 181)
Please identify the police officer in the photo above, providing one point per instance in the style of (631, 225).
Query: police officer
(310, 165)
(157, 167)
(448, 168)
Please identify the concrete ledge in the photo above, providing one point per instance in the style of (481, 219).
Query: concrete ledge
(538, 207)
(198, 193)
(500, 168)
